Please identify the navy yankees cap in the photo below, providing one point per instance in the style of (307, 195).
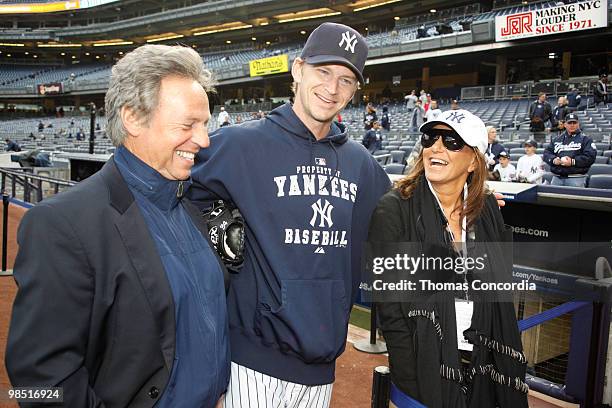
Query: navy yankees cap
(531, 143)
(572, 117)
(338, 44)
(503, 154)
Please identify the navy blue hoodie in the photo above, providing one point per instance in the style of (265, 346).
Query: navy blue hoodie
(307, 206)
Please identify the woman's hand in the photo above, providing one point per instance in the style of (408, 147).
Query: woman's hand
(500, 199)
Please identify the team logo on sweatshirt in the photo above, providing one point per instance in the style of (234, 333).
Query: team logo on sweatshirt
(320, 161)
(322, 183)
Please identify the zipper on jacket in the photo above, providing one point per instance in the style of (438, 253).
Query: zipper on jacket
(179, 190)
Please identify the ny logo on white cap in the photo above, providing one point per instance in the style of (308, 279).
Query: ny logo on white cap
(350, 40)
(456, 117)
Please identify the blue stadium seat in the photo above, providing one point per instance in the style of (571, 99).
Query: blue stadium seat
(607, 153)
(398, 156)
(600, 169)
(520, 150)
(601, 160)
(395, 168)
(381, 151)
(600, 181)
(547, 177)
(516, 156)
(602, 146)
(406, 149)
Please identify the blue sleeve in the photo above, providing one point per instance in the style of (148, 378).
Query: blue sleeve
(374, 185)
(589, 152)
(218, 169)
(549, 153)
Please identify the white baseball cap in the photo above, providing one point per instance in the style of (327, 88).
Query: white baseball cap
(467, 125)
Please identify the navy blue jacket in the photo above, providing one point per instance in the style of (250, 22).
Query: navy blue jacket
(493, 151)
(200, 371)
(372, 140)
(578, 146)
(307, 205)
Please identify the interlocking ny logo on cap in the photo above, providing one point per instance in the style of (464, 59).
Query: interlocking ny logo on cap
(456, 117)
(350, 40)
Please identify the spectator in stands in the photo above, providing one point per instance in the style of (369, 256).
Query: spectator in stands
(238, 119)
(573, 99)
(410, 101)
(120, 262)
(369, 116)
(433, 112)
(98, 126)
(260, 114)
(570, 155)
(454, 105)
(423, 98)
(494, 148)
(539, 113)
(297, 347)
(557, 119)
(443, 205)
(530, 167)
(12, 146)
(372, 140)
(427, 104)
(418, 116)
(223, 119)
(31, 136)
(506, 170)
(80, 135)
(41, 126)
(385, 120)
(601, 90)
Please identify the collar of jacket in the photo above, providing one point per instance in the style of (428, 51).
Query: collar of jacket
(163, 193)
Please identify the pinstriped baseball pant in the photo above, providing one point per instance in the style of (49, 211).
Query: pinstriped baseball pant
(252, 389)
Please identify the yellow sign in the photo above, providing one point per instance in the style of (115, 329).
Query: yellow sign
(270, 65)
(39, 7)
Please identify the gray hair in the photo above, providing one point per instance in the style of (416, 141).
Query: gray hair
(136, 79)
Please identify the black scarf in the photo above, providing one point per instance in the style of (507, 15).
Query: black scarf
(496, 374)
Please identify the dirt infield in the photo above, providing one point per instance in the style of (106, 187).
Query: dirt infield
(353, 386)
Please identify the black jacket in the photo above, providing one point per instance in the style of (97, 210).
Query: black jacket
(547, 110)
(423, 351)
(579, 147)
(558, 115)
(94, 311)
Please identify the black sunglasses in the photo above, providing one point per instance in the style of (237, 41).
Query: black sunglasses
(451, 140)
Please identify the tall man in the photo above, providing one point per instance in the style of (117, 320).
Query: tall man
(121, 298)
(306, 193)
(539, 113)
(570, 155)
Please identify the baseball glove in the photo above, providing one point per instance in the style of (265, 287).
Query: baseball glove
(226, 232)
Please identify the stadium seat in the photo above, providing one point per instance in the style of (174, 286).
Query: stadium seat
(381, 151)
(601, 160)
(547, 177)
(600, 181)
(602, 146)
(512, 145)
(395, 168)
(406, 149)
(516, 156)
(607, 153)
(520, 150)
(398, 156)
(600, 169)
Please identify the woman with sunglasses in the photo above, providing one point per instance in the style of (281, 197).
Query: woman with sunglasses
(443, 207)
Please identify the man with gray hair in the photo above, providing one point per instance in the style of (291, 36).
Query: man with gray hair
(121, 298)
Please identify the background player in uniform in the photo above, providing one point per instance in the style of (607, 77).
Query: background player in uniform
(306, 193)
